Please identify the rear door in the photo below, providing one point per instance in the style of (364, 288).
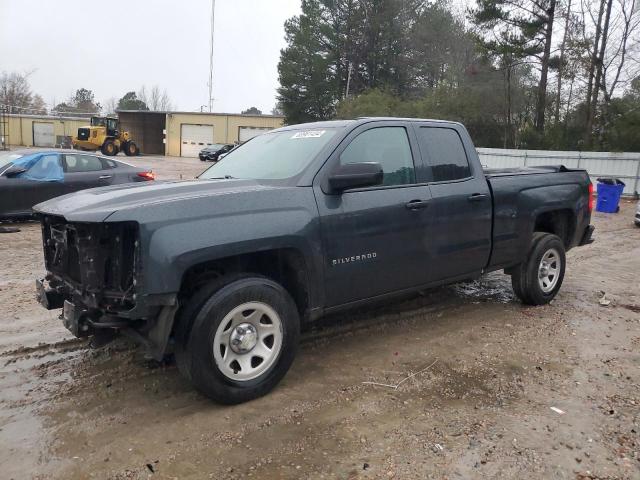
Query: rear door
(120, 172)
(82, 171)
(375, 238)
(460, 210)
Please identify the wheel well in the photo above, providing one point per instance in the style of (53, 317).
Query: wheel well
(559, 222)
(285, 266)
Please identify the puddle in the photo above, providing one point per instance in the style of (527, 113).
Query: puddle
(493, 286)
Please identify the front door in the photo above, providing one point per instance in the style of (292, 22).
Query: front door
(41, 181)
(374, 238)
(460, 211)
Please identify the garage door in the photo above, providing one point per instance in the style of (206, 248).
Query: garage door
(43, 135)
(247, 133)
(194, 138)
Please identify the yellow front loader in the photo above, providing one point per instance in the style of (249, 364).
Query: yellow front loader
(104, 134)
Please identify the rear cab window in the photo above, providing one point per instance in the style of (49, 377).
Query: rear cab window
(444, 154)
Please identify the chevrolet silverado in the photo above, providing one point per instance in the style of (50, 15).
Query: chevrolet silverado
(297, 223)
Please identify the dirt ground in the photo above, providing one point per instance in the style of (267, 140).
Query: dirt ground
(478, 375)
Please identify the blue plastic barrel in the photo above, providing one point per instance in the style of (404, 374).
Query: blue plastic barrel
(609, 193)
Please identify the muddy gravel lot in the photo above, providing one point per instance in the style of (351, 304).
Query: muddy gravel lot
(478, 385)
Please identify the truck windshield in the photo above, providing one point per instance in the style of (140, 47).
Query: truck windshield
(272, 156)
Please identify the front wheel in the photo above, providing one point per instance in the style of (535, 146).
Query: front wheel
(109, 148)
(538, 279)
(239, 338)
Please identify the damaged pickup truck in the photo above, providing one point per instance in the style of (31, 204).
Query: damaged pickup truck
(297, 223)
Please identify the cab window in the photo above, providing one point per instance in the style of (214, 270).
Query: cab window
(388, 146)
(445, 153)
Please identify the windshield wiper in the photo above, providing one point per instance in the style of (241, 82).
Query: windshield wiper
(226, 177)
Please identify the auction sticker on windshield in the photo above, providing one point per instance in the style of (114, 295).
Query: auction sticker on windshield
(309, 134)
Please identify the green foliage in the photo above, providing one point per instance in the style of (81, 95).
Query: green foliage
(252, 111)
(515, 25)
(16, 95)
(309, 88)
(415, 58)
(365, 44)
(621, 129)
(83, 101)
(130, 101)
(476, 99)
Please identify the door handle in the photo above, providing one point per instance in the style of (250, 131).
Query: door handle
(104, 177)
(416, 204)
(477, 197)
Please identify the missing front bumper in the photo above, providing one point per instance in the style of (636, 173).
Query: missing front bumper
(48, 298)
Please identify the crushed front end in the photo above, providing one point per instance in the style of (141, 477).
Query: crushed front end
(94, 273)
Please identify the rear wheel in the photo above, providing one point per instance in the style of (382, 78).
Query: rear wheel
(238, 338)
(130, 149)
(538, 279)
(109, 148)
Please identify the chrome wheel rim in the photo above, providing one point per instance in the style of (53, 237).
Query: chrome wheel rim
(248, 341)
(549, 270)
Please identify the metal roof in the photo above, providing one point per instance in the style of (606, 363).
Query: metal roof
(221, 114)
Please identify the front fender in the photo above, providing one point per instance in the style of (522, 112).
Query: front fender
(174, 249)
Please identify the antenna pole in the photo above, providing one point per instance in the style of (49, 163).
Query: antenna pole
(213, 11)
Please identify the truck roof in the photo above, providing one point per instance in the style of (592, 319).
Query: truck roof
(359, 121)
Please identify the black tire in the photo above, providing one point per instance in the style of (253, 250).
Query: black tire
(525, 277)
(130, 149)
(201, 318)
(109, 148)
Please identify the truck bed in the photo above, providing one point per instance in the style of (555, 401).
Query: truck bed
(501, 172)
(520, 198)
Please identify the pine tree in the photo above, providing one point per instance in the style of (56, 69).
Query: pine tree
(522, 30)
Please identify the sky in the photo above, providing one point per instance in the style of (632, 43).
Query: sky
(117, 46)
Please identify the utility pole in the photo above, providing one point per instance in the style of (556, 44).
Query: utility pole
(348, 81)
(213, 12)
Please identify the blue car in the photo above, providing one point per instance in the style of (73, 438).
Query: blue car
(29, 177)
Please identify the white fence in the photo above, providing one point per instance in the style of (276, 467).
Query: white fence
(625, 166)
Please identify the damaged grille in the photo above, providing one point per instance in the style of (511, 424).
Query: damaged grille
(97, 261)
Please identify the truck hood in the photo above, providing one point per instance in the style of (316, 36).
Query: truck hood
(97, 204)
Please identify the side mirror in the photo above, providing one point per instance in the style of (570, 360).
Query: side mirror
(354, 175)
(14, 171)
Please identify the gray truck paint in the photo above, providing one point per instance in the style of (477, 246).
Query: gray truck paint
(357, 246)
